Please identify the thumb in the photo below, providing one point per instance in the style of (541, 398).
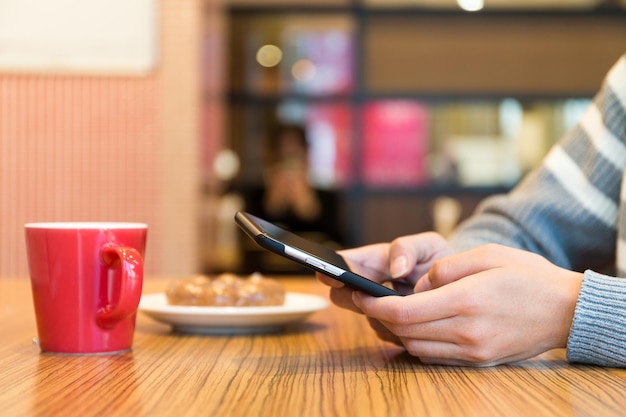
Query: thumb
(454, 267)
(414, 254)
(423, 284)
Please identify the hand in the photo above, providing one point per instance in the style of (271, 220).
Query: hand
(400, 262)
(303, 197)
(486, 306)
(290, 190)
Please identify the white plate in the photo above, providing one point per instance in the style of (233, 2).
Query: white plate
(229, 320)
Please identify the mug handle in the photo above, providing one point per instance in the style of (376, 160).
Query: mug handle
(131, 262)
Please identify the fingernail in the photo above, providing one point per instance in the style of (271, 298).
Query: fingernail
(399, 267)
(422, 284)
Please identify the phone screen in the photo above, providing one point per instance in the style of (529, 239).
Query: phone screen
(310, 254)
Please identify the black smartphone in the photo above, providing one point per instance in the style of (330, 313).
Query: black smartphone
(305, 252)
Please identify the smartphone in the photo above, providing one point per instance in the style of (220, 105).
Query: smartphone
(305, 252)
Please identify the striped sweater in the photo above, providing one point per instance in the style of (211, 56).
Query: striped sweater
(572, 210)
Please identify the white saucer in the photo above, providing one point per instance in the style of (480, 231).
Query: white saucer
(230, 320)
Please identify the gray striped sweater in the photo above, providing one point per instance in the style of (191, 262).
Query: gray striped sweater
(572, 210)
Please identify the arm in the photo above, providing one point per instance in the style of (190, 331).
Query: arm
(566, 210)
(494, 304)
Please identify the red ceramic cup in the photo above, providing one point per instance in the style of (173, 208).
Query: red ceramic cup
(86, 280)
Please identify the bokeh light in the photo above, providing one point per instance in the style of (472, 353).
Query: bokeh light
(303, 70)
(471, 5)
(269, 55)
(226, 165)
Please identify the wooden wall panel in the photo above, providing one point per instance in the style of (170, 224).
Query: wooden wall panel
(491, 54)
(105, 148)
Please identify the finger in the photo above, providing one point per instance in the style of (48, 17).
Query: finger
(438, 304)
(382, 332)
(414, 253)
(441, 353)
(342, 297)
(454, 267)
(326, 280)
(404, 286)
(370, 261)
(431, 350)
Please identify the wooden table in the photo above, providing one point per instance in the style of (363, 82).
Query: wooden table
(330, 365)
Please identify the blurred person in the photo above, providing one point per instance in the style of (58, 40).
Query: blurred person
(289, 199)
(539, 268)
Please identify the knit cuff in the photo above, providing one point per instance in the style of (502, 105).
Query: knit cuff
(598, 333)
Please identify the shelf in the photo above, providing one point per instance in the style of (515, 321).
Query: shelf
(428, 97)
(274, 99)
(540, 55)
(427, 190)
(257, 9)
(456, 68)
(453, 55)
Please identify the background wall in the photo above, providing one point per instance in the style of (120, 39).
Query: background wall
(108, 148)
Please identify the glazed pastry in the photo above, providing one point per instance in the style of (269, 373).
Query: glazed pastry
(226, 290)
(260, 291)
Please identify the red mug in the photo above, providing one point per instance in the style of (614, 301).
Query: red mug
(86, 280)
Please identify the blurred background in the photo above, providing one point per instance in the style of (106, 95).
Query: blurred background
(163, 111)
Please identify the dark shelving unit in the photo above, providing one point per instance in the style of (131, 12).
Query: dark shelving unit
(364, 202)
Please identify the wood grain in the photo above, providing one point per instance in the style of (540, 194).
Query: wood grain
(330, 365)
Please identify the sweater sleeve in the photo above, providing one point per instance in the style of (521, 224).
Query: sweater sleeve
(598, 333)
(567, 208)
